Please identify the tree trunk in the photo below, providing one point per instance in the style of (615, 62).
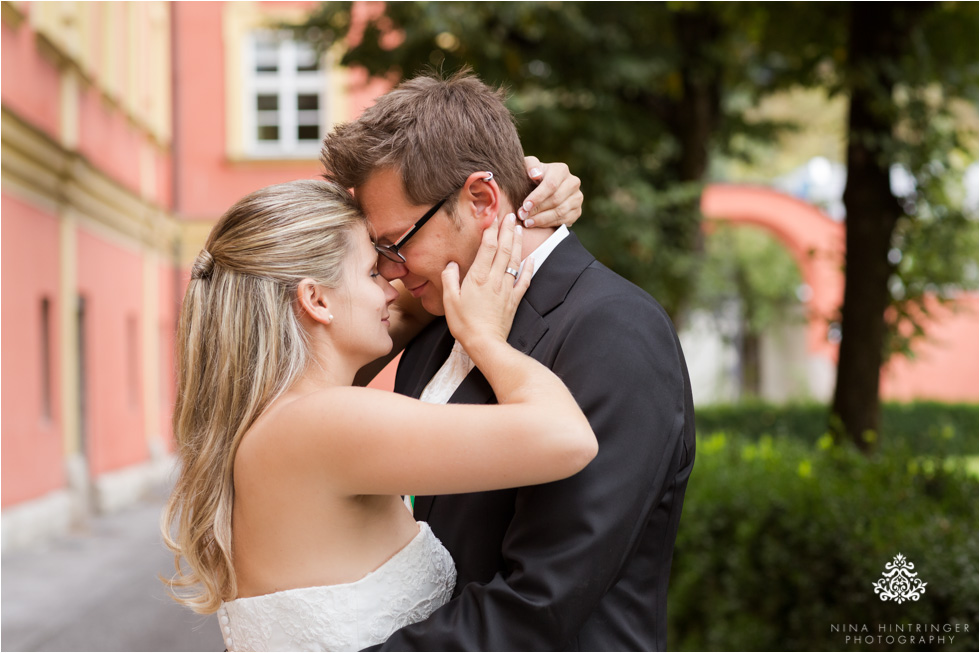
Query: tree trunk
(692, 118)
(751, 363)
(876, 36)
(696, 116)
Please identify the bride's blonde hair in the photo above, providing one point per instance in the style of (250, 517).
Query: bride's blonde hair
(239, 346)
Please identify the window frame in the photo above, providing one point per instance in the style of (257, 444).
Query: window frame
(287, 83)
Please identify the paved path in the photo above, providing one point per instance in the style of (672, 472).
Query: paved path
(97, 590)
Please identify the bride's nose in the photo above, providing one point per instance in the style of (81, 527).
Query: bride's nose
(390, 293)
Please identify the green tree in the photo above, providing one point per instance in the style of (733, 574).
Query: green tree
(629, 95)
(638, 97)
(907, 63)
(905, 68)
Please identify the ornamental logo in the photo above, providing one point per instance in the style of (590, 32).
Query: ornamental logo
(899, 583)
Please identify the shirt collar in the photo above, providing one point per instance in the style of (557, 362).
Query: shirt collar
(545, 249)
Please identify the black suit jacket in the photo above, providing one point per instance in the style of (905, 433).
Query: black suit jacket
(583, 563)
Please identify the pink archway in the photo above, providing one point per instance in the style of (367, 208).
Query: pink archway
(814, 240)
(946, 365)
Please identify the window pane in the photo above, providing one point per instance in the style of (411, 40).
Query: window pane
(308, 118)
(267, 102)
(267, 118)
(81, 327)
(308, 132)
(306, 58)
(266, 57)
(268, 132)
(132, 354)
(45, 358)
(308, 102)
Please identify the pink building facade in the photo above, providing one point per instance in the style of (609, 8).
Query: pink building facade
(128, 128)
(88, 240)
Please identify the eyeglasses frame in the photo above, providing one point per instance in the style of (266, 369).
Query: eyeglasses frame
(391, 252)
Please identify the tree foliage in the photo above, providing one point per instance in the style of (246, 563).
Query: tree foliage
(907, 64)
(631, 96)
(639, 97)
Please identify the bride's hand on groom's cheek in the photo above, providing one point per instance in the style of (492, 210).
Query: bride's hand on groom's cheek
(481, 306)
(557, 199)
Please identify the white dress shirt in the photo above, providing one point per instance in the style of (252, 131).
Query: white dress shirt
(445, 382)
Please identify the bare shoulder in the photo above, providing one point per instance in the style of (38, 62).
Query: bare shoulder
(298, 428)
(347, 405)
(333, 413)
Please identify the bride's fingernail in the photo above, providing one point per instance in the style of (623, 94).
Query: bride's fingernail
(527, 205)
(529, 223)
(535, 172)
(511, 217)
(517, 230)
(522, 214)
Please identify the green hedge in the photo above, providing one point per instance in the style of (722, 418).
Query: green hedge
(924, 426)
(782, 540)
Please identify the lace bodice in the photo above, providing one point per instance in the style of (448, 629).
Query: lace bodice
(406, 589)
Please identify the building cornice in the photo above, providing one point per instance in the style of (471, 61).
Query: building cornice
(12, 14)
(37, 168)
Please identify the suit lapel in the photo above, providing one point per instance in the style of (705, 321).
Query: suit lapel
(524, 335)
(442, 344)
(549, 289)
(436, 347)
(558, 274)
(423, 506)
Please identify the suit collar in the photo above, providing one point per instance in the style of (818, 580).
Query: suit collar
(548, 290)
(551, 284)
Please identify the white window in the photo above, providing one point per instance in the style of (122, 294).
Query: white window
(285, 96)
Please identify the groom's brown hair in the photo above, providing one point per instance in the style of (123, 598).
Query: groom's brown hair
(435, 132)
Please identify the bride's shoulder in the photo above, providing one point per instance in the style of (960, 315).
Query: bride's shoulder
(340, 403)
(295, 424)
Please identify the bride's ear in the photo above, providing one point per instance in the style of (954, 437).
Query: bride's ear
(313, 301)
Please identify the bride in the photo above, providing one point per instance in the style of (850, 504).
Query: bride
(287, 517)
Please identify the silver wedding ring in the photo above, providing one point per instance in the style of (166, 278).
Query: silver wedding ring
(512, 271)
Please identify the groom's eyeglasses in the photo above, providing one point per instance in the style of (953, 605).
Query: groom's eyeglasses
(391, 252)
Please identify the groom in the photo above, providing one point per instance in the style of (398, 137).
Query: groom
(583, 563)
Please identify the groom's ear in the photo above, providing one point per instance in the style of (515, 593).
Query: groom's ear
(480, 197)
(313, 301)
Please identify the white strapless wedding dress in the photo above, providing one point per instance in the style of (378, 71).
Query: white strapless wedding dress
(405, 589)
